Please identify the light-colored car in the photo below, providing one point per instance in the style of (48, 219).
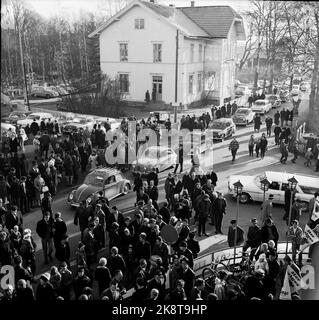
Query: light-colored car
(44, 92)
(108, 180)
(274, 99)
(221, 129)
(160, 158)
(307, 186)
(77, 123)
(242, 90)
(15, 116)
(261, 106)
(38, 116)
(243, 116)
(6, 128)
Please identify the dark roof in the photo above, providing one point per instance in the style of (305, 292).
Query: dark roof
(215, 20)
(165, 11)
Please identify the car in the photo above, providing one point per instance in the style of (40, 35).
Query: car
(261, 106)
(221, 128)
(110, 181)
(6, 128)
(15, 116)
(243, 116)
(160, 158)
(306, 187)
(242, 90)
(274, 99)
(38, 116)
(77, 123)
(44, 92)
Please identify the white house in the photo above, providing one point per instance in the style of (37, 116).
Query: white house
(178, 54)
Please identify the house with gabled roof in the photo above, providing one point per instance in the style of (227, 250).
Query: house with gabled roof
(178, 54)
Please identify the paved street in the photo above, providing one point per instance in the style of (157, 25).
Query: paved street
(219, 159)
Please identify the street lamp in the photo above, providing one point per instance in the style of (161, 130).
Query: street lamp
(292, 184)
(238, 189)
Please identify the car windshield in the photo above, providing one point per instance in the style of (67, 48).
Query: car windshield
(242, 111)
(220, 125)
(259, 103)
(94, 180)
(151, 153)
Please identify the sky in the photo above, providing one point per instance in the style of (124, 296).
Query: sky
(49, 8)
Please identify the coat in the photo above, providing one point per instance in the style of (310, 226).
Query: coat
(204, 208)
(295, 236)
(231, 236)
(12, 221)
(269, 233)
(45, 230)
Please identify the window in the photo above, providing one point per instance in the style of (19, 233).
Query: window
(274, 186)
(123, 51)
(110, 180)
(139, 23)
(205, 53)
(124, 84)
(200, 53)
(157, 52)
(190, 84)
(199, 82)
(192, 53)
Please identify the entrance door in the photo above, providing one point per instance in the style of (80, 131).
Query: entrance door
(157, 88)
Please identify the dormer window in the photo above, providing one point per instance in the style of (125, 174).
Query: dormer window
(139, 23)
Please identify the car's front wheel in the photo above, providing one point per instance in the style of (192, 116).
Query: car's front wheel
(222, 137)
(126, 189)
(244, 198)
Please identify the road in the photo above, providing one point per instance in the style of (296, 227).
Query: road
(219, 159)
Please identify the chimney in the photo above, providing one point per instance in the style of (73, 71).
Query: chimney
(172, 5)
(192, 4)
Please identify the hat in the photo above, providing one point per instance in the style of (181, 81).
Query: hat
(45, 276)
(260, 272)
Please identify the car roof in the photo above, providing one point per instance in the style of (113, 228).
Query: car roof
(105, 172)
(284, 176)
(6, 126)
(223, 120)
(40, 114)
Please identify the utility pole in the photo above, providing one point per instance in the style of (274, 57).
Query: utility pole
(26, 98)
(176, 66)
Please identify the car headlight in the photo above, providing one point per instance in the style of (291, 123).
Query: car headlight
(71, 196)
(89, 199)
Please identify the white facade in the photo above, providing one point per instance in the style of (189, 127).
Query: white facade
(209, 56)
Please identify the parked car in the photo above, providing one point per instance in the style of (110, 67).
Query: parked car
(160, 158)
(38, 116)
(242, 90)
(42, 92)
(261, 106)
(274, 99)
(243, 116)
(307, 186)
(221, 128)
(5, 127)
(15, 116)
(108, 180)
(77, 123)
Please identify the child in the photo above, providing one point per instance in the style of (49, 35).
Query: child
(308, 157)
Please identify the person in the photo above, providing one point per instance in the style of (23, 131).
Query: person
(147, 96)
(269, 232)
(44, 230)
(23, 293)
(180, 158)
(273, 271)
(178, 294)
(277, 132)
(257, 122)
(102, 275)
(161, 249)
(294, 151)
(193, 244)
(187, 275)
(250, 100)
(183, 251)
(253, 237)
(308, 157)
(66, 281)
(277, 118)
(251, 144)
(266, 209)
(282, 117)
(45, 291)
(263, 146)
(62, 249)
(80, 282)
(231, 234)
(295, 235)
(254, 286)
(13, 218)
(233, 147)
(284, 152)
(59, 228)
(219, 208)
(262, 264)
(158, 282)
(203, 210)
(140, 293)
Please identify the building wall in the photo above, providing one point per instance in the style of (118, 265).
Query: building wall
(140, 66)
